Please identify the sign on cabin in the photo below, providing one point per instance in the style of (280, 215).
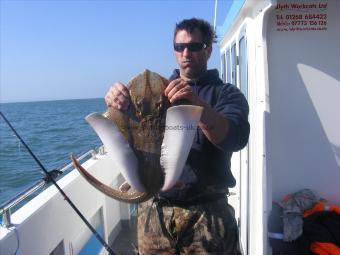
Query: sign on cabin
(297, 16)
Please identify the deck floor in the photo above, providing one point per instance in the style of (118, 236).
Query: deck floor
(126, 241)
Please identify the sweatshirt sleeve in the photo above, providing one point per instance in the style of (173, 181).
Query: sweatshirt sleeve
(232, 104)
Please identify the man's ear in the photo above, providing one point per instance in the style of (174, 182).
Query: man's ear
(209, 50)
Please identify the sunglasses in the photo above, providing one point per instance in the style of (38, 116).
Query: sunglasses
(193, 47)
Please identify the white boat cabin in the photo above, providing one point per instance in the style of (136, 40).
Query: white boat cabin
(284, 56)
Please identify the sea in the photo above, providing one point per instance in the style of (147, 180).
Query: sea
(52, 129)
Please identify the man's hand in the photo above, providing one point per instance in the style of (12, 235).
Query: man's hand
(214, 125)
(118, 96)
(180, 89)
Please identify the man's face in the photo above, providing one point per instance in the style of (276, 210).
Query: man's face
(191, 63)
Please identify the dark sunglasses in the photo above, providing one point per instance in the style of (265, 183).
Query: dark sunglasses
(194, 46)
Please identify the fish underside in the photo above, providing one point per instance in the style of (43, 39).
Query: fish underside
(149, 143)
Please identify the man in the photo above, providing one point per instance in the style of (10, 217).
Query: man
(194, 217)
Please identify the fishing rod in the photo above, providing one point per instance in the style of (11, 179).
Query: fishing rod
(50, 177)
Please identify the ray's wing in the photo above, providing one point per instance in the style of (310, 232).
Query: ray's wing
(180, 130)
(117, 147)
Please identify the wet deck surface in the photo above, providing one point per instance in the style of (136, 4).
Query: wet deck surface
(126, 241)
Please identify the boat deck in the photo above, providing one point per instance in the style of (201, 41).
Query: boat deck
(126, 241)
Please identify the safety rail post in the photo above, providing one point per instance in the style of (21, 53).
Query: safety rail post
(6, 218)
(94, 154)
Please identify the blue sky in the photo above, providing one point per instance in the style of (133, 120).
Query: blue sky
(77, 49)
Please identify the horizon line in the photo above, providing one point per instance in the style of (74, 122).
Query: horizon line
(47, 100)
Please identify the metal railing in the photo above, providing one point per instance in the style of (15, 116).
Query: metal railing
(5, 208)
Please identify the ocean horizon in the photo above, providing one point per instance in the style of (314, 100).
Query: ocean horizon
(52, 129)
(47, 100)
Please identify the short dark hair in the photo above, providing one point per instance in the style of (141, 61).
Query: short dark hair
(189, 25)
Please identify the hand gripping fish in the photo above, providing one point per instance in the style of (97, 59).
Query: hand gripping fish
(149, 143)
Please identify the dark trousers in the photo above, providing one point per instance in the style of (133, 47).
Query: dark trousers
(208, 228)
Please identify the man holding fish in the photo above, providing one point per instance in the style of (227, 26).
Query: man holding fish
(194, 216)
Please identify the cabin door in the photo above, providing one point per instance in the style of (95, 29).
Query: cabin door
(234, 198)
(244, 160)
(236, 56)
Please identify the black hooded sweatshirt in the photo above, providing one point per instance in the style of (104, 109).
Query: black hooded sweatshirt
(208, 165)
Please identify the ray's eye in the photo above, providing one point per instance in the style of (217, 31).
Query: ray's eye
(158, 105)
(139, 106)
(139, 103)
(139, 115)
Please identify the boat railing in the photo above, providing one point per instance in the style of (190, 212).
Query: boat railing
(5, 208)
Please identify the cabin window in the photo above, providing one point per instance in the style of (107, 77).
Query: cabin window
(224, 77)
(243, 66)
(59, 250)
(228, 65)
(133, 210)
(92, 245)
(233, 64)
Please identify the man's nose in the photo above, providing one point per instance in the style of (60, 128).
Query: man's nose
(186, 52)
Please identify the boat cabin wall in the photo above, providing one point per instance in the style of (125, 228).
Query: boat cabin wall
(302, 126)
